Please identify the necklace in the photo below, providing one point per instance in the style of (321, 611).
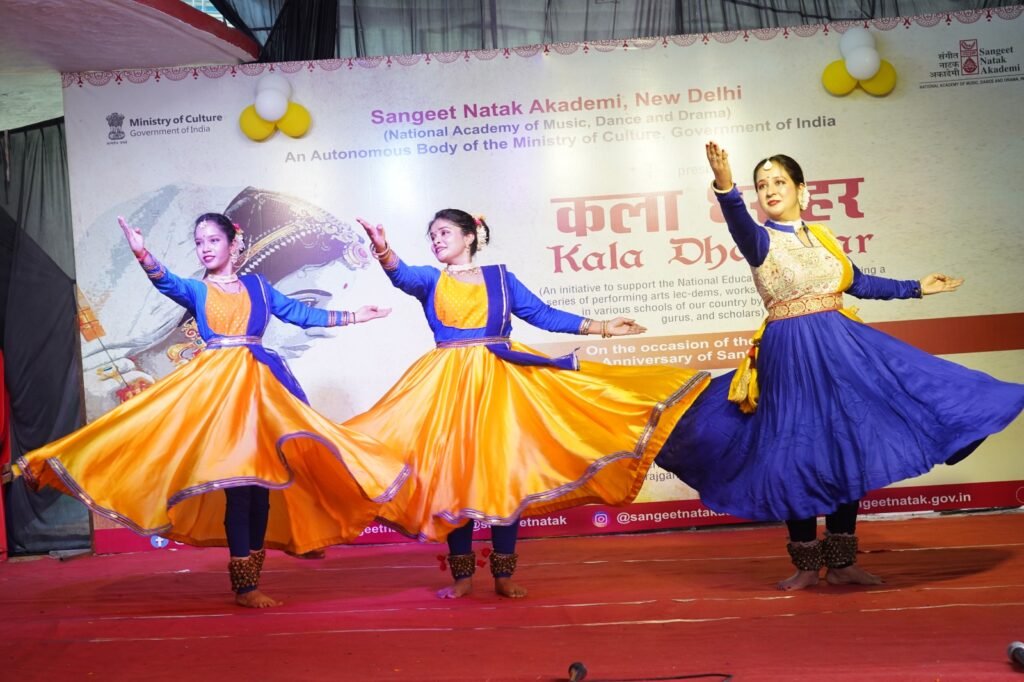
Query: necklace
(223, 279)
(465, 267)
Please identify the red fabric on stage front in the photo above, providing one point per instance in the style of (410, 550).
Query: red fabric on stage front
(627, 606)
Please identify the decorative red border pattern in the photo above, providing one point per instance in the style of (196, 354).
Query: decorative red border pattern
(100, 78)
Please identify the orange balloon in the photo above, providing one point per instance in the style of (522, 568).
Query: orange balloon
(883, 82)
(296, 121)
(837, 80)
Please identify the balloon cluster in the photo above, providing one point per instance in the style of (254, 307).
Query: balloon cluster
(861, 65)
(273, 111)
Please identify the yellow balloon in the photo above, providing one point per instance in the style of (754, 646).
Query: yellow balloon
(296, 121)
(837, 80)
(882, 83)
(254, 127)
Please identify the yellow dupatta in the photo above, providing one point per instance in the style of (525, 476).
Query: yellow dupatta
(743, 389)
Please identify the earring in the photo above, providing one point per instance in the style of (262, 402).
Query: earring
(804, 198)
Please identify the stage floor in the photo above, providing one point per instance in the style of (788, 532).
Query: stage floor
(639, 607)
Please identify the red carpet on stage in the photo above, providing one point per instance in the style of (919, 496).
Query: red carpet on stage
(635, 606)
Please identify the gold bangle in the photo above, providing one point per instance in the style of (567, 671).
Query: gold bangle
(604, 330)
(383, 254)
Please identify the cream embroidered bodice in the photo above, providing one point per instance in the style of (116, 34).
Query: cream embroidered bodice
(792, 270)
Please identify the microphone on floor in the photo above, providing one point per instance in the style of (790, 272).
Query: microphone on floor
(1015, 652)
(578, 671)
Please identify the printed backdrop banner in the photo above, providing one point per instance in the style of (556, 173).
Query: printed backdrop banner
(588, 161)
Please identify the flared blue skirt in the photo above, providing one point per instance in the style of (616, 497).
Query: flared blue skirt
(844, 409)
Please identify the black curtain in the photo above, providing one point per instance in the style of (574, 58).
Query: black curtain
(303, 30)
(292, 30)
(42, 359)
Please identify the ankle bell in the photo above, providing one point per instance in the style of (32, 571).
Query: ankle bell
(503, 565)
(806, 556)
(462, 565)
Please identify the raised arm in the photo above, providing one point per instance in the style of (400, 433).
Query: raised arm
(416, 281)
(751, 238)
(178, 289)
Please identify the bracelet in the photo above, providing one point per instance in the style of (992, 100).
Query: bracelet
(604, 330)
(145, 253)
(721, 191)
(585, 326)
(383, 254)
(340, 318)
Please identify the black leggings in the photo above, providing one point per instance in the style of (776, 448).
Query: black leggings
(842, 520)
(245, 518)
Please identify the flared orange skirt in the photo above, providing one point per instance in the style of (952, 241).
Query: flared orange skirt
(492, 441)
(157, 463)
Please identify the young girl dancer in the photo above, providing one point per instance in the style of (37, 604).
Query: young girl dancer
(496, 430)
(225, 450)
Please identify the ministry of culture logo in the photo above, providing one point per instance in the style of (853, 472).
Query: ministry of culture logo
(969, 57)
(115, 120)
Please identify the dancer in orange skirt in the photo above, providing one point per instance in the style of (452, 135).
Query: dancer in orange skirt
(233, 419)
(493, 429)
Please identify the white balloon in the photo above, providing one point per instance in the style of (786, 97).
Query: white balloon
(274, 81)
(271, 105)
(854, 38)
(862, 63)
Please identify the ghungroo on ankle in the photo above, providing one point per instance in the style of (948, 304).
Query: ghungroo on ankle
(806, 556)
(839, 550)
(462, 565)
(503, 565)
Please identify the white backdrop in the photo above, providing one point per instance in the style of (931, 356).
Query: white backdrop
(588, 162)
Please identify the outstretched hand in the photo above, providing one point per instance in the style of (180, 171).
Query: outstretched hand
(370, 312)
(134, 237)
(622, 326)
(375, 233)
(718, 159)
(937, 283)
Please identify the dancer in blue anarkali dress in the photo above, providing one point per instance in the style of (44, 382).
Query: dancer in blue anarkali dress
(826, 408)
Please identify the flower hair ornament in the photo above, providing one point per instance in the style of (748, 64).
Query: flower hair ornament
(482, 232)
(238, 241)
(804, 198)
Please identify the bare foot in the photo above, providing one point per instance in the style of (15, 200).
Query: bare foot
(256, 600)
(799, 580)
(460, 588)
(851, 575)
(506, 588)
